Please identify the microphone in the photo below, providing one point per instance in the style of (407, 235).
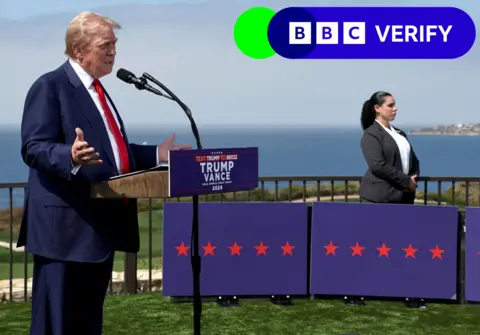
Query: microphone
(196, 262)
(140, 83)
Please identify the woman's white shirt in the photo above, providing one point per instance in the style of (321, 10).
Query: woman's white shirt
(403, 147)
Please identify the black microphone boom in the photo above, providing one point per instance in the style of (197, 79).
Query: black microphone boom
(185, 108)
(141, 83)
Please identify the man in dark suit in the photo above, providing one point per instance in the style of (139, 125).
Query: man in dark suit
(71, 137)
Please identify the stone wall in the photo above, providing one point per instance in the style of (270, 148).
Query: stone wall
(18, 285)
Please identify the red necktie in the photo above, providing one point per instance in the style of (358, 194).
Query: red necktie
(122, 146)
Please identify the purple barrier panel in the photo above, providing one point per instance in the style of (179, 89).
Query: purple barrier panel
(384, 250)
(246, 248)
(472, 254)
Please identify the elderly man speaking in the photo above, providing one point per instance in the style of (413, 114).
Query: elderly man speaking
(71, 137)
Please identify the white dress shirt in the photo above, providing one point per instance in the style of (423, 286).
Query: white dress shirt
(87, 81)
(403, 147)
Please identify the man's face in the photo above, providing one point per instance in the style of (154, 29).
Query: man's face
(99, 56)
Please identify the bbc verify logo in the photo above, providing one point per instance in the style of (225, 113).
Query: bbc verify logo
(327, 33)
(356, 33)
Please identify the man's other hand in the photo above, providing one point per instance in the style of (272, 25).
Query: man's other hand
(82, 154)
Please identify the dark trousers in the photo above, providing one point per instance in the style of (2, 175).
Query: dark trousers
(68, 297)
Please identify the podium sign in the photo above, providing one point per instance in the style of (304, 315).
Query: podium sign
(207, 171)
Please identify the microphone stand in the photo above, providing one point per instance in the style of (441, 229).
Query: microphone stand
(195, 253)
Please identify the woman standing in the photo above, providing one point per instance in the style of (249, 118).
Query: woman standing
(393, 166)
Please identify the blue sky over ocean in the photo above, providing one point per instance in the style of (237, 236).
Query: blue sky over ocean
(189, 46)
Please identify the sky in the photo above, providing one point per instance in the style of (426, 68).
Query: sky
(189, 47)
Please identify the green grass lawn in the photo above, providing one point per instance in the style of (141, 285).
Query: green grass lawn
(150, 313)
(157, 243)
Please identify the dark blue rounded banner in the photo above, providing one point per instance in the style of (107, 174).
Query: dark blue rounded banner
(371, 32)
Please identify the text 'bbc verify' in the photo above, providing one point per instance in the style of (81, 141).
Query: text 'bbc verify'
(356, 33)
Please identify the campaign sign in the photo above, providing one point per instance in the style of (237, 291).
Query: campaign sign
(386, 250)
(472, 254)
(371, 32)
(251, 248)
(206, 171)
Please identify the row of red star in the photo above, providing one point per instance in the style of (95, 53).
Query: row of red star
(235, 249)
(383, 250)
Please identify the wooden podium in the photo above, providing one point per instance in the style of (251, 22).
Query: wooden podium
(146, 184)
(143, 184)
(189, 173)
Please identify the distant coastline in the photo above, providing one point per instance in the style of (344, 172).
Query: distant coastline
(449, 130)
(443, 133)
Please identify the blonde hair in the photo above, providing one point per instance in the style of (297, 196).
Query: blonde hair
(82, 28)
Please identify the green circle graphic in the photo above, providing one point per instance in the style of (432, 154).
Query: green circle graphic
(251, 32)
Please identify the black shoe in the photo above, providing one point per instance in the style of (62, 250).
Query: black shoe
(416, 303)
(354, 301)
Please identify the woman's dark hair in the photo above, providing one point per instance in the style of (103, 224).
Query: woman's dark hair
(368, 111)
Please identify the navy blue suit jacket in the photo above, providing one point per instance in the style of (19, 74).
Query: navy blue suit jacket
(60, 220)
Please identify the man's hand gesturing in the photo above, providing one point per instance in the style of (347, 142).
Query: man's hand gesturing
(81, 153)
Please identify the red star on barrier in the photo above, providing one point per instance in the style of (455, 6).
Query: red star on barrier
(235, 248)
(261, 249)
(182, 249)
(437, 252)
(287, 249)
(357, 249)
(331, 249)
(410, 251)
(383, 250)
(209, 248)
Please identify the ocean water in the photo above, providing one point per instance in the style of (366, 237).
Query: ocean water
(283, 152)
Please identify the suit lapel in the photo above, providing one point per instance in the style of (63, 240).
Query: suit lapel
(90, 111)
(388, 137)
